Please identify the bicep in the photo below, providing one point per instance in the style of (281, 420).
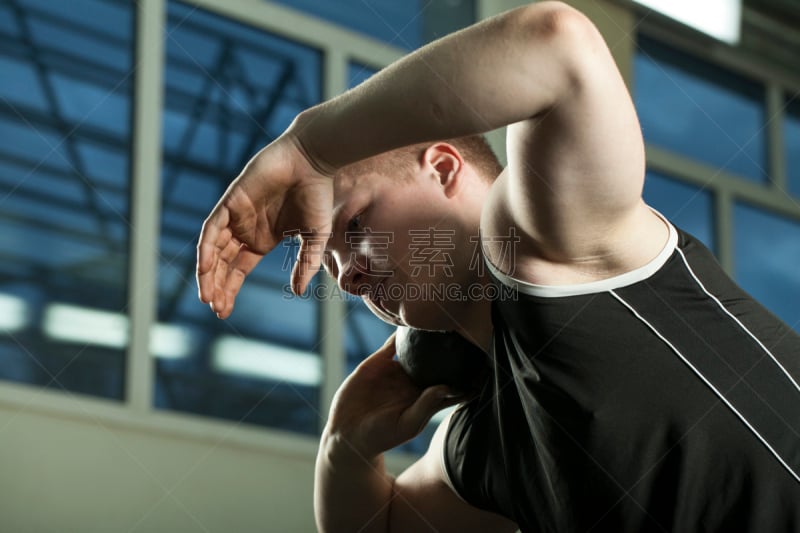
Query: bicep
(423, 500)
(578, 166)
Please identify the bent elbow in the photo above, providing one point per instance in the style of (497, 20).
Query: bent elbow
(571, 37)
(554, 19)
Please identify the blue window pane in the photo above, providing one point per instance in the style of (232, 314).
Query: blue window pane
(441, 17)
(364, 332)
(230, 89)
(688, 207)
(408, 24)
(396, 23)
(65, 101)
(767, 255)
(700, 111)
(357, 73)
(791, 135)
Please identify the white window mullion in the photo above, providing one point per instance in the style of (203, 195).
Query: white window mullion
(776, 154)
(723, 222)
(145, 199)
(333, 309)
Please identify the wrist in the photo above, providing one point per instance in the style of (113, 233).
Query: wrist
(301, 133)
(339, 449)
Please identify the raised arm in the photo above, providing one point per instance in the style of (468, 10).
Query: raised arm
(507, 69)
(503, 70)
(575, 150)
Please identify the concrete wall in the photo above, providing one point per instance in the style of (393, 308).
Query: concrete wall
(77, 464)
(85, 473)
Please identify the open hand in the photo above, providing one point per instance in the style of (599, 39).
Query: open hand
(279, 193)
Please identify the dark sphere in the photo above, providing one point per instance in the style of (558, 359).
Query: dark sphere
(436, 358)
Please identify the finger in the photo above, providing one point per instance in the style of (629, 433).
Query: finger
(387, 351)
(389, 345)
(309, 260)
(239, 269)
(226, 256)
(432, 400)
(212, 239)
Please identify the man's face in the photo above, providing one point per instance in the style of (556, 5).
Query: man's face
(393, 240)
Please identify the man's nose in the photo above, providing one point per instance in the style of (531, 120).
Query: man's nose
(354, 276)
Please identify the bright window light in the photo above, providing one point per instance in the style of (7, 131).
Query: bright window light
(720, 19)
(85, 325)
(242, 357)
(14, 313)
(170, 342)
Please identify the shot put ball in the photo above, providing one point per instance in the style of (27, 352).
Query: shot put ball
(436, 358)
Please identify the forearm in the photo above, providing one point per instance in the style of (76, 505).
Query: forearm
(351, 493)
(500, 71)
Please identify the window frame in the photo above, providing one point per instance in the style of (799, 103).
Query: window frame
(339, 47)
(728, 188)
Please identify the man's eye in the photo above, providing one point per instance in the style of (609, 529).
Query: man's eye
(354, 224)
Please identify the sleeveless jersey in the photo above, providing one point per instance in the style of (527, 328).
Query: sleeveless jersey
(664, 399)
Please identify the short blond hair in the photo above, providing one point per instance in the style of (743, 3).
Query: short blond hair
(400, 162)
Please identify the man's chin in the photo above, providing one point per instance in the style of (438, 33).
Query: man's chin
(425, 319)
(383, 314)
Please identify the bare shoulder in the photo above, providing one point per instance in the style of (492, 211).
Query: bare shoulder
(425, 501)
(572, 188)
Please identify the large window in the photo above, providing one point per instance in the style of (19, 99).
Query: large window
(709, 124)
(357, 74)
(408, 24)
(791, 135)
(700, 110)
(65, 119)
(687, 206)
(230, 89)
(767, 260)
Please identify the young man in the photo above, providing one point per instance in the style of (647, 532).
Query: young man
(634, 386)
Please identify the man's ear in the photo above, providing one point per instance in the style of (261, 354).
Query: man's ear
(447, 165)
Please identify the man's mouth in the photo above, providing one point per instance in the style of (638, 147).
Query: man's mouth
(377, 296)
(378, 293)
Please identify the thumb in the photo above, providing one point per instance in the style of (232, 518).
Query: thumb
(309, 260)
(432, 400)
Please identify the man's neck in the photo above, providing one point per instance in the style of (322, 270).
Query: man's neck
(475, 323)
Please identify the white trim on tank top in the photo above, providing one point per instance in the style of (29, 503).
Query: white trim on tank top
(592, 287)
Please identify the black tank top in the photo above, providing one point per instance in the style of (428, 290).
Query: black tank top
(665, 399)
